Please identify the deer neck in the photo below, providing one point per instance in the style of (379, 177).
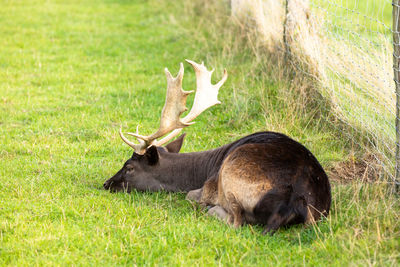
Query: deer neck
(189, 171)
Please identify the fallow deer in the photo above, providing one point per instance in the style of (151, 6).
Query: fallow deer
(264, 178)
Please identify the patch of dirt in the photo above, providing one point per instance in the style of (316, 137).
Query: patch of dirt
(367, 169)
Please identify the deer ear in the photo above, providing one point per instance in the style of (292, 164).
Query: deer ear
(151, 155)
(175, 145)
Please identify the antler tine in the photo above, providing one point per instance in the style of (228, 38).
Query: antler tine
(137, 147)
(206, 93)
(206, 96)
(175, 105)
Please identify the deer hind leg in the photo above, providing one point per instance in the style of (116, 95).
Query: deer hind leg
(235, 211)
(280, 207)
(293, 212)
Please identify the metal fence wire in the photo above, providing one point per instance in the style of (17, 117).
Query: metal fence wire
(351, 48)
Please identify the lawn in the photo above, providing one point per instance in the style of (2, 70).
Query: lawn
(72, 72)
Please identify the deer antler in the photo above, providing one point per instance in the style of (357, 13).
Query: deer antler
(137, 147)
(175, 104)
(206, 96)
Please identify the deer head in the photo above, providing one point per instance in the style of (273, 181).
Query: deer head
(143, 168)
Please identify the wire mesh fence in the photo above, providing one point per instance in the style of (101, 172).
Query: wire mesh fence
(396, 71)
(351, 49)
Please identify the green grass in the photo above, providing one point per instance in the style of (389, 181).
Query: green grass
(72, 71)
(367, 16)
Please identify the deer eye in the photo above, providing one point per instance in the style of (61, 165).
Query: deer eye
(129, 168)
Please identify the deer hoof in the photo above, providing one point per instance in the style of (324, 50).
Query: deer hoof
(218, 212)
(194, 195)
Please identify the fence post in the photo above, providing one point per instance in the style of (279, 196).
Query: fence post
(396, 69)
(236, 7)
(285, 32)
(299, 35)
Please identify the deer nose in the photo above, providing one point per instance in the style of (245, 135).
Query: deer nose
(106, 185)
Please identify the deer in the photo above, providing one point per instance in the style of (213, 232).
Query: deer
(263, 178)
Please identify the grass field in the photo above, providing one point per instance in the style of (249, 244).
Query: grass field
(72, 71)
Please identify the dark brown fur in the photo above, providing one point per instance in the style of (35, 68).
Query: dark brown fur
(264, 178)
(277, 183)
